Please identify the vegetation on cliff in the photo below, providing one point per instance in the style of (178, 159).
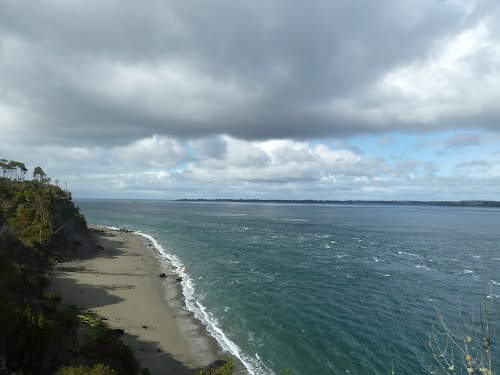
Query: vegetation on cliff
(39, 224)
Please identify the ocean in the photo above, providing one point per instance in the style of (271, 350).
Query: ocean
(324, 289)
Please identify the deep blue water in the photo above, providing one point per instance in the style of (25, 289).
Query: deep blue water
(324, 289)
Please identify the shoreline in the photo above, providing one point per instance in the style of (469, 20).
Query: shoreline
(121, 283)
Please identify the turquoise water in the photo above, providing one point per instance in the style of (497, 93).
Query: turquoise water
(322, 289)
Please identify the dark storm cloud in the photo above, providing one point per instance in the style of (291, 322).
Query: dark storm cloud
(113, 71)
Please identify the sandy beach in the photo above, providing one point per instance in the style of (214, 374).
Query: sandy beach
(122, 284)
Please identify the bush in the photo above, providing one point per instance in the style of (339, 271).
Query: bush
(98, 369)
(226, 369)
(35, 344)
(101, 344)
(68, 319)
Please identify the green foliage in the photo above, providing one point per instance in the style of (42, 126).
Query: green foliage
(37, 222)
(35, 344)
(13, 170)
(101, 344)
(98, 369)
(226, 369)
(38, 174)
(27, 210)
(95, 329)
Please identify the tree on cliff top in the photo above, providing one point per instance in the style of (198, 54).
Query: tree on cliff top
(38, 174)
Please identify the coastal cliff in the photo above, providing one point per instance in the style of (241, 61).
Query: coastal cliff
(40, 226)
(54, 269)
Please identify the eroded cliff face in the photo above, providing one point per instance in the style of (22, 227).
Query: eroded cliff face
(71, 237)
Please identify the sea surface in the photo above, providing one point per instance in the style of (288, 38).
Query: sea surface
(324, 289)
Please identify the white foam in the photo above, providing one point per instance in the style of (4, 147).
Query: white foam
(254, 367)
(424, 267)
(409, 254)
(107, 227)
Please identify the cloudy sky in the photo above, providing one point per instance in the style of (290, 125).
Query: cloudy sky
(319, 99)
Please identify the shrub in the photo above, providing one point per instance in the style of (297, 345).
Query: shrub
(226, 369)
(36, 343)
(98, 369)
(68, 319)
(101, 344)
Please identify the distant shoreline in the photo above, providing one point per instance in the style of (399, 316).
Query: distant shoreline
(466, 203)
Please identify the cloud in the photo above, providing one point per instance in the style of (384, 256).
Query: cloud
(163, 167)
(455, 86)
(110, 73)
(461, 141)
(153, 152)
(480, 169)
(264, 98)
(210, 147)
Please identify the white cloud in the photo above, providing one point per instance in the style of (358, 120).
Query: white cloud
(460, 79)
(163, 167)
(153, 152)
(457, 85)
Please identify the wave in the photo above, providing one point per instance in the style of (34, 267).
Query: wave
(253, 366)
(424, 267)
(409, 254)
(106, 226)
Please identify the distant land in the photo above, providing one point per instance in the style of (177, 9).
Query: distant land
(466, 203)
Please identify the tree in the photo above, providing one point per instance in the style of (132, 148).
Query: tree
(18, 170)
(14, 170)
(23, 171)
(3, 166)
(38, 174)
(11, 169)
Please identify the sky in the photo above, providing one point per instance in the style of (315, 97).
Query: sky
(270, 99)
